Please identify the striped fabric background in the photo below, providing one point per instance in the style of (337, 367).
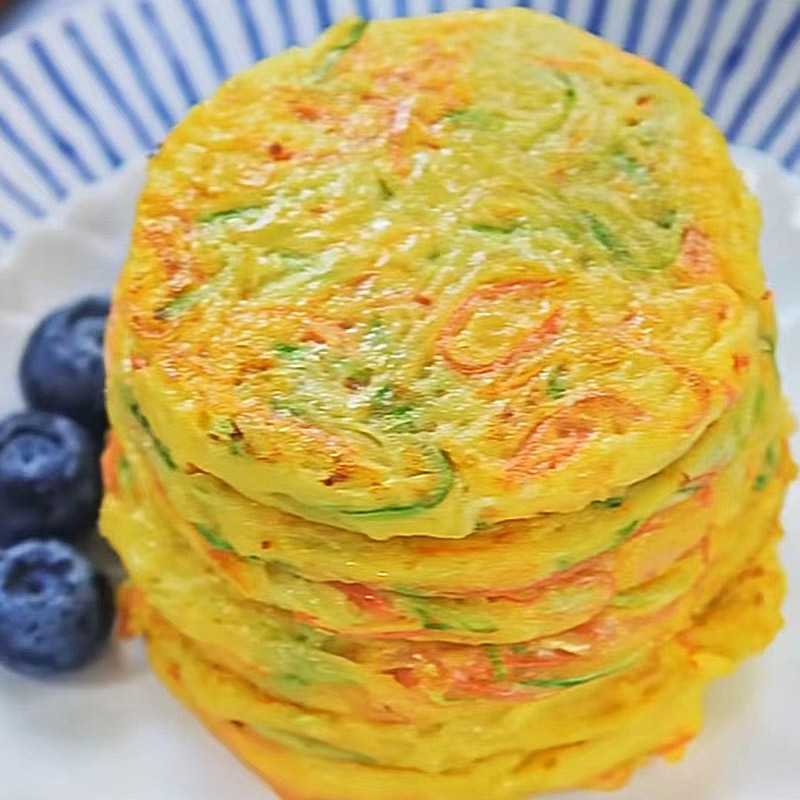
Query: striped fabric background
(82, 95)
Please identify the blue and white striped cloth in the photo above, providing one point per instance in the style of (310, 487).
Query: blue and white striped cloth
(82, 95)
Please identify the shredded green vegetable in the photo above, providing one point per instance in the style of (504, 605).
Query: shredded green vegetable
(306, 744)
(485, 227)
(603, 234)
(609, 502)
(320, 72)
(397, 416)
(441, 467)
(191, 297)
(577, 681)
(556, 388)
(426, 620)
(144, 423)
(476, 118)
(625, 533)
(212, 537)
(767, 346)
(387, 193)
(627, 164)
(285, 350)
(767, 470)
(228, 214)
(125, 472)
(499, 669)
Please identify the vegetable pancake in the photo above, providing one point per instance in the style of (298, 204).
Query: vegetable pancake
(509, 556)
(448, 447)
(393, 297)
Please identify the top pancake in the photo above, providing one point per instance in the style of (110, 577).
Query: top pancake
(435, 273)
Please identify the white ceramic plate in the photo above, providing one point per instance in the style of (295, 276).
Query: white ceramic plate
(112, 732)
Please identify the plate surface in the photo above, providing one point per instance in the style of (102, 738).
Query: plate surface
(112, 732)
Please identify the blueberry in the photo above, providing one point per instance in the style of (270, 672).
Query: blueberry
(56, 610)
(49, 478)
(62, 366)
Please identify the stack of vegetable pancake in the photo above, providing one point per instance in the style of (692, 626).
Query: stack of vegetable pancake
(448, 447)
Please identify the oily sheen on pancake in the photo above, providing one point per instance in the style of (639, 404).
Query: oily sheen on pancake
(448, 446)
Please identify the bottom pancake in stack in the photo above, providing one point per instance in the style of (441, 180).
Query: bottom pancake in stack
(653, 710)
